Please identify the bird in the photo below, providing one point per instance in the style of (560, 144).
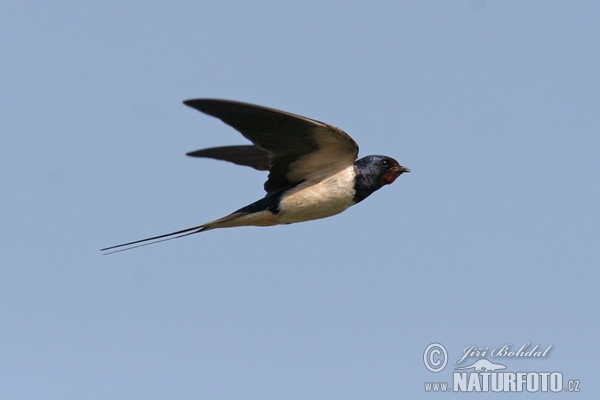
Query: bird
(314, 169)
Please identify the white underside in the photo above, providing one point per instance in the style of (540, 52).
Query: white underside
(307, 201)
(311, 200)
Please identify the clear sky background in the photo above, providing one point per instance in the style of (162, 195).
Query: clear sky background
(492, 239)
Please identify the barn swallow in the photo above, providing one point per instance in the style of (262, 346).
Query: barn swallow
(314, 170)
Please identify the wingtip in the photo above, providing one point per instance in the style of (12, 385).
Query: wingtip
(192, 102)
(202, 104)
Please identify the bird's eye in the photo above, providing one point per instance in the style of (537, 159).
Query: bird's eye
(385, 163)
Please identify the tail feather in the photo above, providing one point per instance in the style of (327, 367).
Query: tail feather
(155, 239)
(231, 220)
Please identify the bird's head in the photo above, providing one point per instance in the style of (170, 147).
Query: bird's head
(374, 172)
(380, 170)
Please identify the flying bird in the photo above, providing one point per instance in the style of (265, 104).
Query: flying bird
(314, 170)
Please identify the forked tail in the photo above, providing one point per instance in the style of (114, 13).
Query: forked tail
(155, 239)
(235, 219)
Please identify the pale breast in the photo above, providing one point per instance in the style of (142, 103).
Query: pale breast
(311, 200)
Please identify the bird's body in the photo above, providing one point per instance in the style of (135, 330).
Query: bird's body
(328, 197)
(313, 168)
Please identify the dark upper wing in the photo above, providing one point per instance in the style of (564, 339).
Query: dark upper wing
(250, 156)
(299, 148)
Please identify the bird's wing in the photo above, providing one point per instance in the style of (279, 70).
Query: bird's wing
(300, 149)
(250, 156)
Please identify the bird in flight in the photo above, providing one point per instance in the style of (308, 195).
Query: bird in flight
(314, 170)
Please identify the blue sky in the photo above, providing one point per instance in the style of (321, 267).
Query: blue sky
(492, 239)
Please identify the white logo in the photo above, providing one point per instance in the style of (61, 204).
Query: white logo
(483, 375)
(435, 357)
(484, 365)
